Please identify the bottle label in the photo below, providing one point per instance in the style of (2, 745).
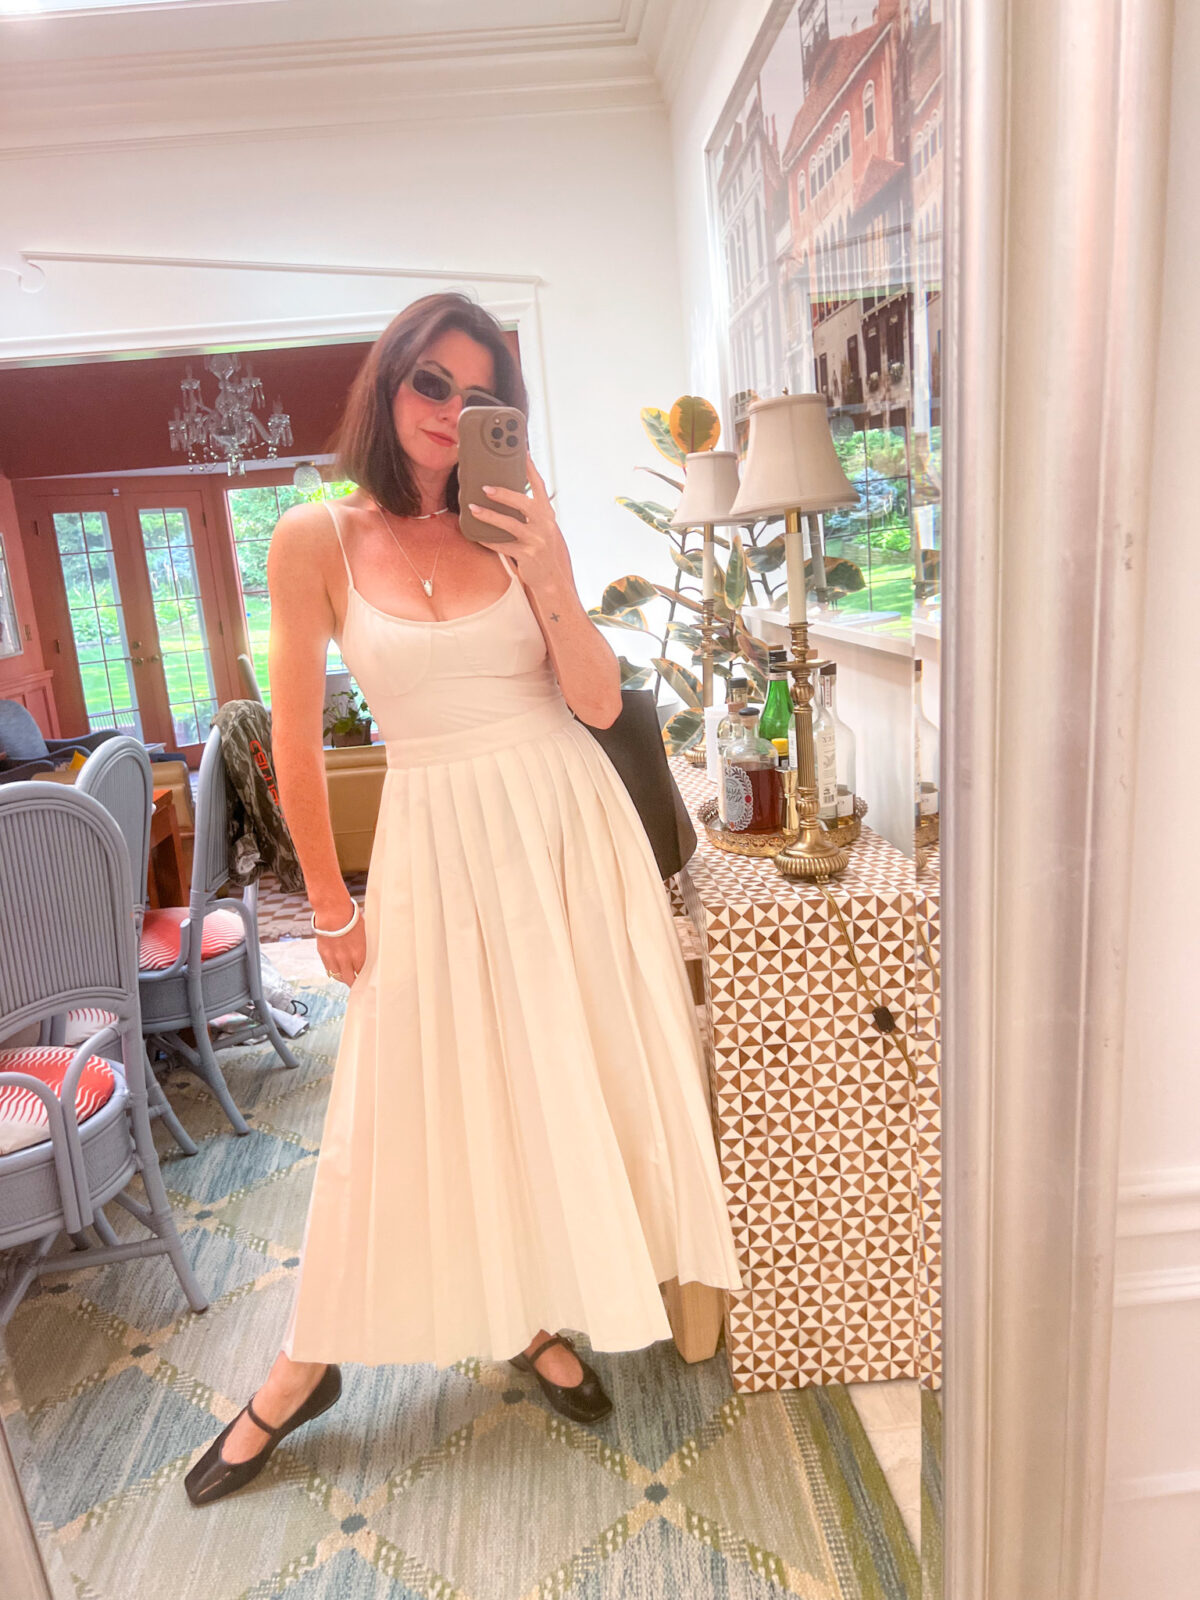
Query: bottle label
(739, 799)
(826, 757)
(929, 800)
(845, 802)
(791, 738)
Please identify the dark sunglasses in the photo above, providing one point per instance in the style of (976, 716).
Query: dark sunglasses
(431, 384)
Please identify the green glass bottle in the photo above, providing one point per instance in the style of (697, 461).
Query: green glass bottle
(776, 716)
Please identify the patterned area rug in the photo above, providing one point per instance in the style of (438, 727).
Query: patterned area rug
(421, 1483)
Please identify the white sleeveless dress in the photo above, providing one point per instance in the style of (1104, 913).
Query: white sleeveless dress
(518, 1132)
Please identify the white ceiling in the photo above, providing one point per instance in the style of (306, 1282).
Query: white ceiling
(143, 73)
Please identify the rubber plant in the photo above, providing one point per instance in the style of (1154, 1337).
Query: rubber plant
(754, 553)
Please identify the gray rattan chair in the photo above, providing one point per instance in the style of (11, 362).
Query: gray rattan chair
(67, 940)
(120, 776)
(196, 987)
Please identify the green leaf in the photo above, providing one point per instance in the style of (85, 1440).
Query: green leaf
(658, 425)
(766, 557)
(674, 482)
(682, 730)
(685, 683)
(626, 594)
(692, 565)
(685, 633)
(735, 574)
(680, 599)
(844, 576)
(694, 423)
(632, 676)
(653, 516)
(630, 619)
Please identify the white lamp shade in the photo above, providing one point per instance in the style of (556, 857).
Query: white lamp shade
(710, 486)
(791, 463)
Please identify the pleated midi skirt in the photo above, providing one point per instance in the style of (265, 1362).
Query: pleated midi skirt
(518, 1132)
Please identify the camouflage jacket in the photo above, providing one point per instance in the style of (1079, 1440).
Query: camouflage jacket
(259, 840)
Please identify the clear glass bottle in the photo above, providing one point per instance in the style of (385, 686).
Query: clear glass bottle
(777, 707)
(927, 759)
(751, 782)
(824, 752)
(844, 745)
(735, 698)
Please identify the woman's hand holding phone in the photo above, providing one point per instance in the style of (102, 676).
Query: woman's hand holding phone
(536, 543)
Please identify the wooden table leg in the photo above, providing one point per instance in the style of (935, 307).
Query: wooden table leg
(695, 1313)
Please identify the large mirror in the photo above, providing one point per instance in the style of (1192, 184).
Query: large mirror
(679, 1104)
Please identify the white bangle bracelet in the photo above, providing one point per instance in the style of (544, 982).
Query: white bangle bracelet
(334, 933)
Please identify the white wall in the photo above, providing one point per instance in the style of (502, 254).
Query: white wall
(1152, 1521)
(582, 199)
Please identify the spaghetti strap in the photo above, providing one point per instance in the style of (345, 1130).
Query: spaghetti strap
(337, 528)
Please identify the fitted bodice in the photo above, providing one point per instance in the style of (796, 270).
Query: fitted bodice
(423, 678)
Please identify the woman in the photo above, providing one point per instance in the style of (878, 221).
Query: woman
(518, 1130)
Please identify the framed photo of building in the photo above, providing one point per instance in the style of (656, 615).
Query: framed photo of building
(10, 632)
(825, 174)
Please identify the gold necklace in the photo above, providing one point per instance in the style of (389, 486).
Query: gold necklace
(426, 583)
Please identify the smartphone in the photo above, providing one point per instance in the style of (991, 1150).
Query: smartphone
(491, 449)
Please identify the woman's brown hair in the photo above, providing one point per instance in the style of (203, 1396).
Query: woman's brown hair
(366, 449)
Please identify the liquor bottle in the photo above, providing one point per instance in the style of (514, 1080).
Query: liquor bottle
(736, 697)
(824, 753)
(776, 716)
(752, 785)
(843, 743)
(927, 759)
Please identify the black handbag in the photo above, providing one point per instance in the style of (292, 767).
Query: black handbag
(634, 745)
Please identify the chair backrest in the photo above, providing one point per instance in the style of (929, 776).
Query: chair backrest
(210, 847)
(250, 680)
(119, 774)
(20, 737)
(67, 936)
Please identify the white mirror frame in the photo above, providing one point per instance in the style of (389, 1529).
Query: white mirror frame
(1056, 148)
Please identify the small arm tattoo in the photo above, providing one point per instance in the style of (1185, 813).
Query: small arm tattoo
(554, 616)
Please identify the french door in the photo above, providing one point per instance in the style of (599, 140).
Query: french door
(124, 582)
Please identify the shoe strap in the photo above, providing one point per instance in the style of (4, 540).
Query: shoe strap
(555, 1338)
(265, 1426)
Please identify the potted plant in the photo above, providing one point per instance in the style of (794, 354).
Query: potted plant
(754, 554)
(347, 719)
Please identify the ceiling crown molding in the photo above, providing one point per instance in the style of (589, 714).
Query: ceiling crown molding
(132, 99)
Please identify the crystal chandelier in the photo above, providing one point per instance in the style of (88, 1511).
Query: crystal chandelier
(228, 430)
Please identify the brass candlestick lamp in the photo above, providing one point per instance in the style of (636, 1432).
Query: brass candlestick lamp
(709, 488)
(792, 468)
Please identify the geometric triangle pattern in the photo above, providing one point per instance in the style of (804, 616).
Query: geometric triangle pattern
(827, 1127)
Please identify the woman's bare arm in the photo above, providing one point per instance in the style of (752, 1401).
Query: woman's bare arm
(302, 624)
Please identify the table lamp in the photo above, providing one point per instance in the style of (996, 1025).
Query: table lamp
(792, 468)
(710, 486)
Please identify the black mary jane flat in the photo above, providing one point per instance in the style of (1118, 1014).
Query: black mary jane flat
(213, 1477)
(584, 1401)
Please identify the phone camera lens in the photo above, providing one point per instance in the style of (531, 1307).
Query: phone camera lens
(497, 433)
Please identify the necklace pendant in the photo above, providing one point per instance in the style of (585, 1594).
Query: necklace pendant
(427, 585)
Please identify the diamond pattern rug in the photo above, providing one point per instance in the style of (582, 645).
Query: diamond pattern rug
(421, 1483)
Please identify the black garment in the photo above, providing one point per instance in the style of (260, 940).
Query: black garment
(633, 743)
(258, 836)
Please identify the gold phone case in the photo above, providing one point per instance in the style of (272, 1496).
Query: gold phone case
(491, 449)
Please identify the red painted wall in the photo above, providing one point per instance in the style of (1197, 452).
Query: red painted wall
(111, 416)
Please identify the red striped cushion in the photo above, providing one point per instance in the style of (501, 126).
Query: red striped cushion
(160, 936)
(84, 1022)
(22, 1114)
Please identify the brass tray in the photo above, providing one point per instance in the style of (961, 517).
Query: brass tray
(847, 829)
(741, 844)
